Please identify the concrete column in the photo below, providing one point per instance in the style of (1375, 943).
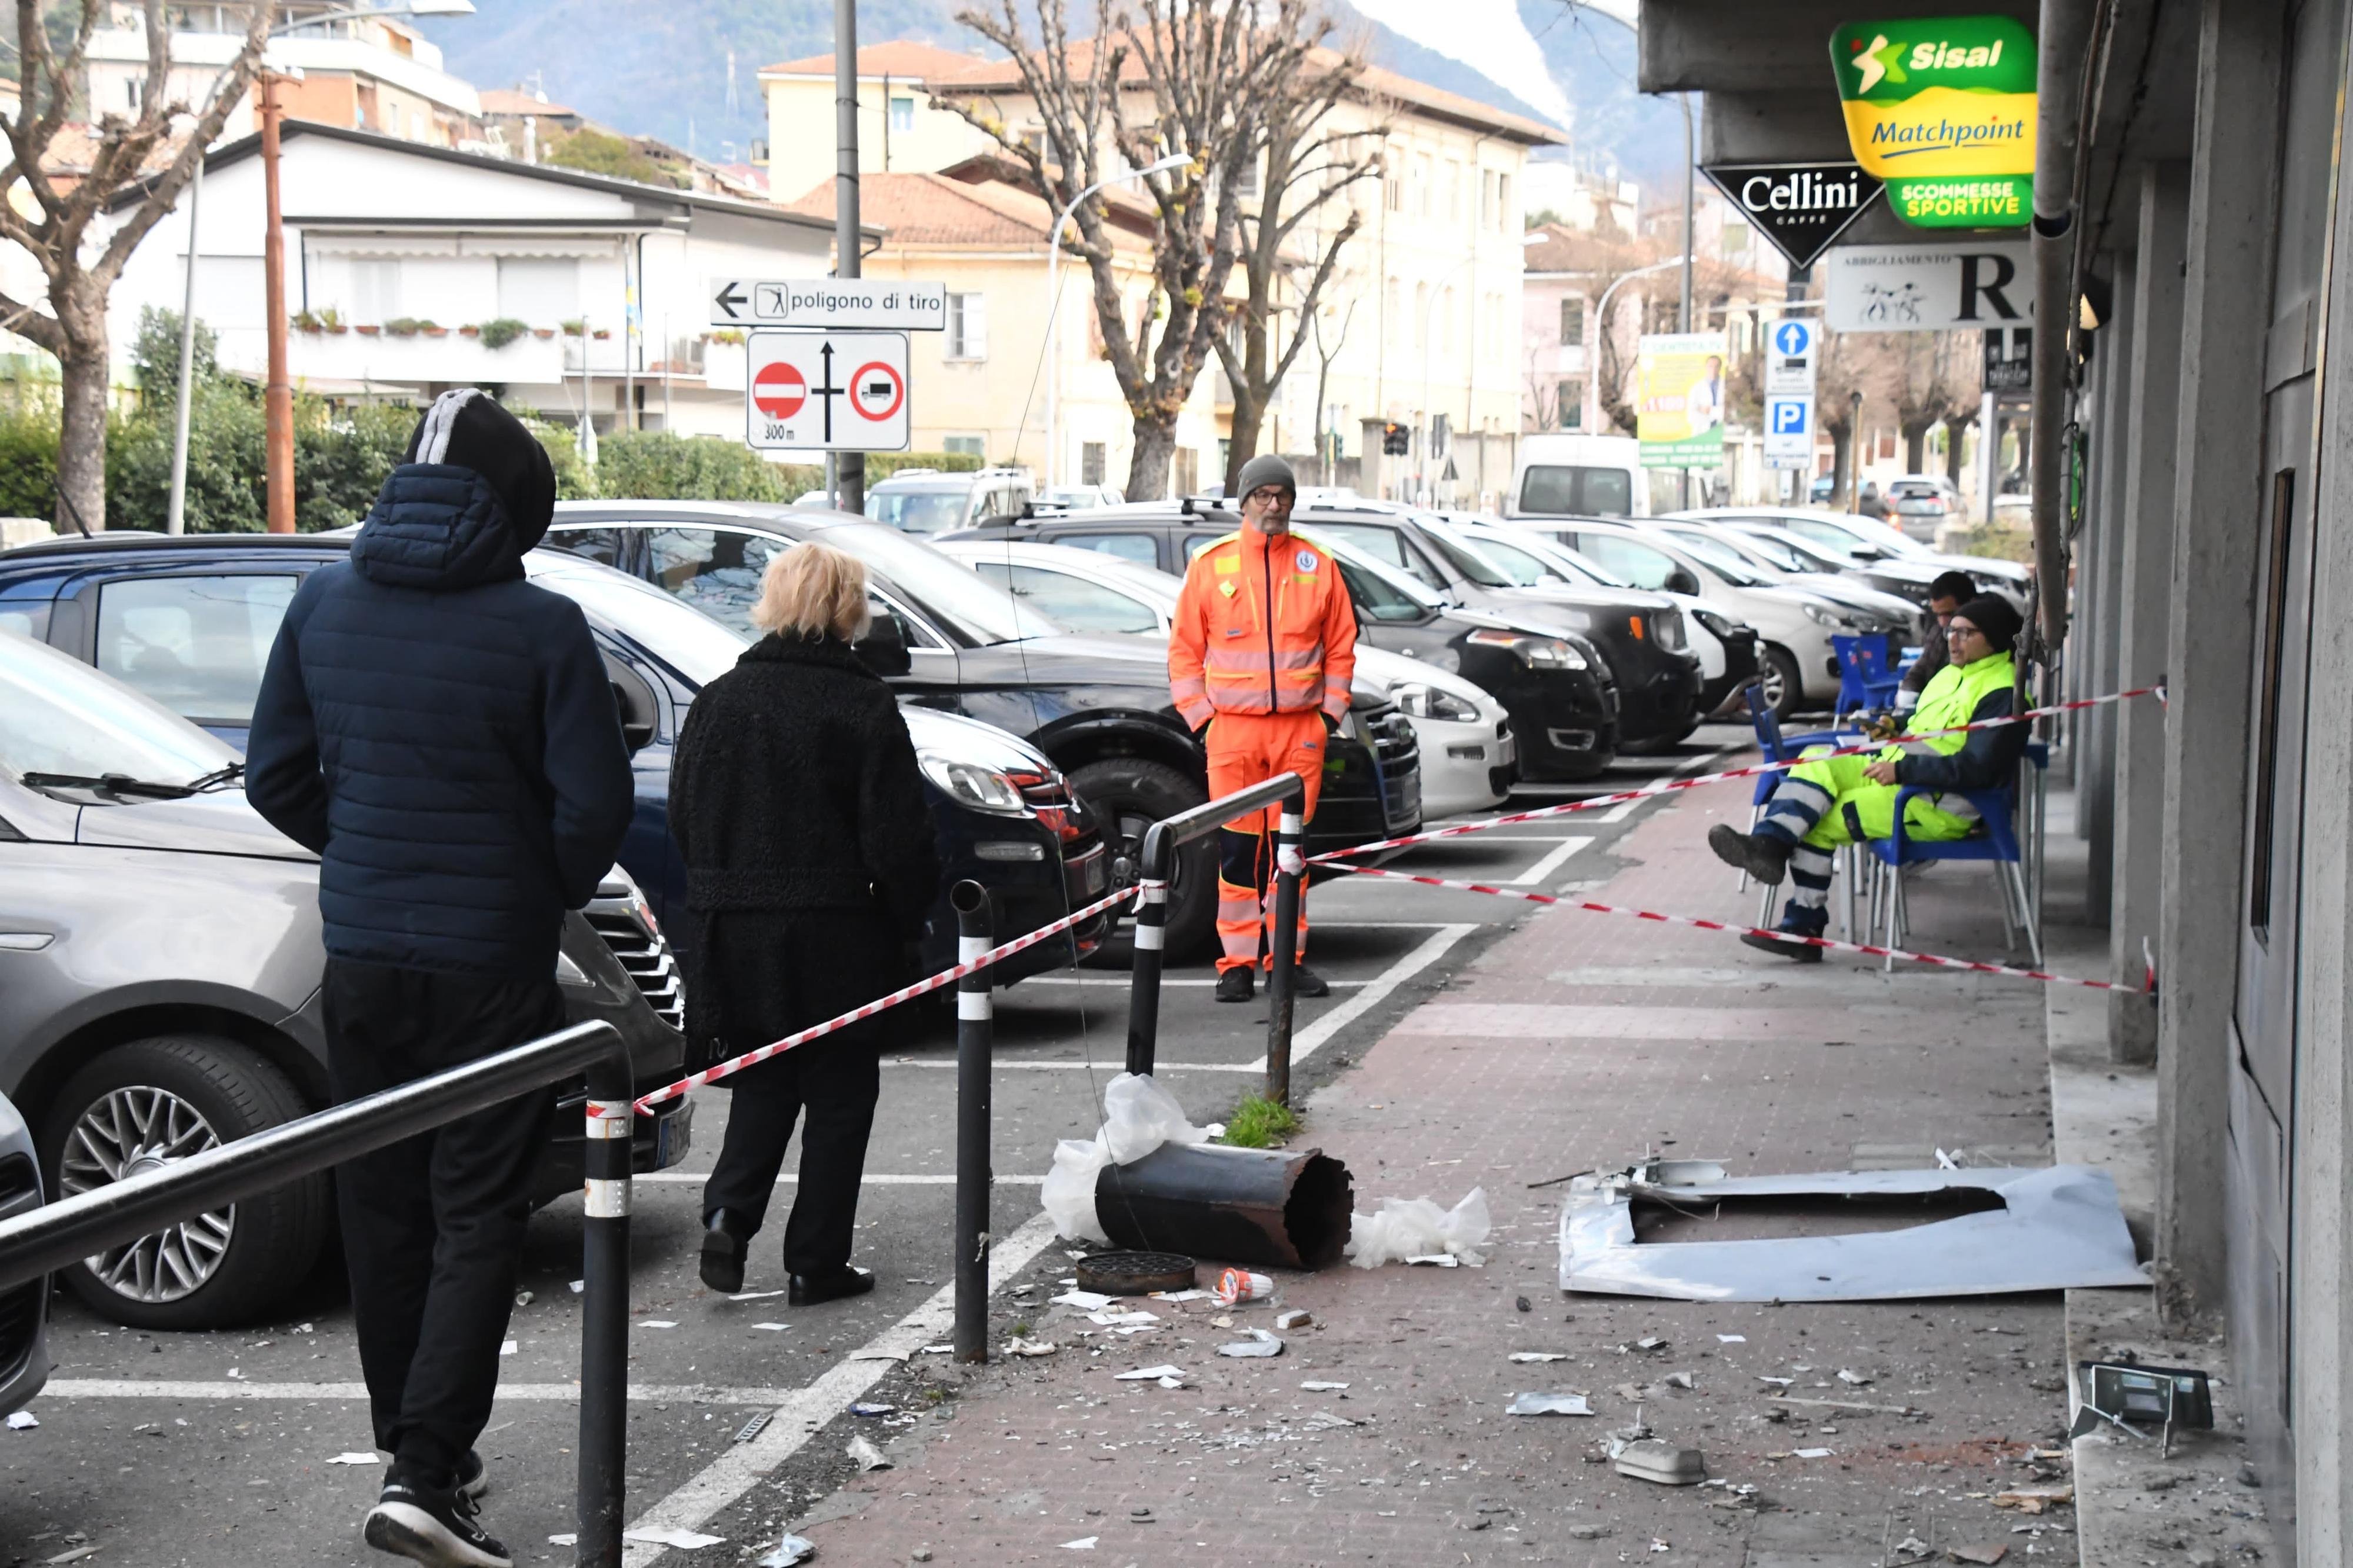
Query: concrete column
(2153, 390)
(2095, 637)
(2217, 535)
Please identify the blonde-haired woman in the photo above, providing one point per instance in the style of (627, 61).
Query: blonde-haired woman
(798, 810)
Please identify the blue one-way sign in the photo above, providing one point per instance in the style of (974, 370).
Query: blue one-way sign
(1793, 339)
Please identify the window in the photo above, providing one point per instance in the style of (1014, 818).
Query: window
(919, 511)
(967, 326)
(1197, 542)
(1506, 220)
(1073, 602)
(1421, 185)
(1141, 548)
(716, 571)
(1091, 462)
(1451, 191)
(1736, 237)
(541, 290)
(1572, 322)
(197, 644)
(1571, 490)
(1377, 599)
(966, 446)
(903, 114)
(602, 545)
(1245, 179)
(132, 87)
(1637, 563)
(376, 291)
(1572, 406)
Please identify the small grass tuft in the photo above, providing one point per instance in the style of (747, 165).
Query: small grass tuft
(1259, 1122)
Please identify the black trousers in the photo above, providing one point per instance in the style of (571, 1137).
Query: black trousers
(433, 1225)
(835, 1083)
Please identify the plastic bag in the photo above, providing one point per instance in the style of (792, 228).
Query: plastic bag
(1138, 1117)
(1414, 1228)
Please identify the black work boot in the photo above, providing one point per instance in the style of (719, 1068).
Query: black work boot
(1798, 922)
(809, 1289)
(1235, 984)
(1764, 856)
(1306, 982)
(725, 1242)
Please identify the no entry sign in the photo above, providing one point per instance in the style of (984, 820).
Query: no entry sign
(827, 392)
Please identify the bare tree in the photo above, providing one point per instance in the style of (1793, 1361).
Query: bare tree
(1304, 168)
(1195, 72)
(1938, 386)
(57, 222)
(1327, 451)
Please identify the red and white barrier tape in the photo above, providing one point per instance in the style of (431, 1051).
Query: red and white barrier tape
(1670, 786)
(944, 977)
(1825, 944)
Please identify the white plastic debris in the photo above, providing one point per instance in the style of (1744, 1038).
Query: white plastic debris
(1180, 1295)
(1148, 1374)
(866, 1456)
(1539, 1355)
(1138, 1117)
(1019, 1346)
(754, 1295)
(1778, 1382)
(21, 1420)
(1811, 1452)
(1323, 1387)
(353, 1459)
(792, 1549)
(1549, 1405)
(1083, 1543)
(1084, 1300)
(1437, 1260)
(1259, 1343)
(1414, 1229)
(1856, 1378)
(1732, 1339)
(1113, 1318)
(578, 1285)
(509, 1347)
(772, 1328)
(656, 1323)
(568, 1538)
(673, 1535)
(523, 1298)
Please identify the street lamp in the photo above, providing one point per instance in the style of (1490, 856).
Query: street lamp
(1053, 313)
(1470, 381)
(279, 396)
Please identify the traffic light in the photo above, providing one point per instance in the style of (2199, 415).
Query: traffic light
(1394, 441)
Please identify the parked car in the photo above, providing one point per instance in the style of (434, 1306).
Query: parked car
(1918, 504)
(1557, 687)
(1871, 542)
(24, 1311)
(1800, 666)
(1468, 756)
(160, 969)
(1907, 580)
(928, 501)
(1729, 653)
(1561, 475)
(1079, 497)
(189, 620)
(1820, 490)
(1097, 706)
(1788, 566)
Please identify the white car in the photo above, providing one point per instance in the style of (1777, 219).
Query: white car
(1717, 540)
(1870, 542)
(1801, 666)
(1081, 497)
(1469, 757)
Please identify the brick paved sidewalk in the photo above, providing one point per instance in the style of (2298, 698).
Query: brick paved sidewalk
(1574, 1042)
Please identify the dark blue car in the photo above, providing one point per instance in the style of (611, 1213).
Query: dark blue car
(189, 621)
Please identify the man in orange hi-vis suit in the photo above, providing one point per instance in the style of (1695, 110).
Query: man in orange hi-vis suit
(1261, 652)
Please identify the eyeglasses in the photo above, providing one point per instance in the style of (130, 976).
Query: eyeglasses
(1269, 494)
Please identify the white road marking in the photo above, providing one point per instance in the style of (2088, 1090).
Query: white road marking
(800, 1413)
(137, 1388)
(1306, 1042)
(1551, 862)
(1128, 984)
(1001, 1064)
(1490, 838)
(682, 1177)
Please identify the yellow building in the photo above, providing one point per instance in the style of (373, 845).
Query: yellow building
(898, 131)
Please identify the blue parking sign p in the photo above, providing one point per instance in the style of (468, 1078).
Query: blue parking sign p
(1788, 415)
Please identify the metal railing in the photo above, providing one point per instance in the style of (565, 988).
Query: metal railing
(64, 1233)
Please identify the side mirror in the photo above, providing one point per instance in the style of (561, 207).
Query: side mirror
(884, 649)
(1681, 581)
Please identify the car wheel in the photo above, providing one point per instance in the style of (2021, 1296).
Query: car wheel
(1127, 795)
(1784, 687)
(146, 1106)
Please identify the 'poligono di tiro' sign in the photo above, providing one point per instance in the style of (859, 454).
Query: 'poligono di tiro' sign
(1943, 110)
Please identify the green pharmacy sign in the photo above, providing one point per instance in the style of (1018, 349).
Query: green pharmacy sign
(1944, 112)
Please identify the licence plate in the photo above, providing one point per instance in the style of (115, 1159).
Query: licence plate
(674, 1136)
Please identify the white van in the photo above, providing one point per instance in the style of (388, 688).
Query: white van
(1560, 475)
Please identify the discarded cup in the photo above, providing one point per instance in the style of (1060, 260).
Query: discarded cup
(1236, 1286)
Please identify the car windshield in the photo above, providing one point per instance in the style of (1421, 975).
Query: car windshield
(1385, 582)
(1550, 560)
(976, 612)
(1722, 561)
(1781, 553)
(694, 643)
(63, 717)
(1464, 556)
(918, 511)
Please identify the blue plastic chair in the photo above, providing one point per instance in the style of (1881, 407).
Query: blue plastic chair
(1867, 678)
(1995, 841)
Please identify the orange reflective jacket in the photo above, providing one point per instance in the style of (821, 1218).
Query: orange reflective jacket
(1264, 626)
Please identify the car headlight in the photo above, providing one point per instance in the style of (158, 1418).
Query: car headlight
(1428, 702)
(969, 783)
(1717, 626)
(1536, 653)
(1821, 614)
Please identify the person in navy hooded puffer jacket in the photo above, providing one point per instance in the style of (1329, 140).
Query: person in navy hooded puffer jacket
(443, 734)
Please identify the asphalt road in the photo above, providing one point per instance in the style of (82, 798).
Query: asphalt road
(221, 1448)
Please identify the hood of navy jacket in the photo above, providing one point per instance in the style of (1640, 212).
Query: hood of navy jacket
(439, 527)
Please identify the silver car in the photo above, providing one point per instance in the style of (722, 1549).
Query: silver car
(24, 1311)
(160, 969)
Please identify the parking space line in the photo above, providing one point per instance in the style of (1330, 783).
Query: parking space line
(561, 1393)
(802, 1412)
(1551, 862)
(1308, 1041)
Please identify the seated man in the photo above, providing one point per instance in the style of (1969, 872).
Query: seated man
(1830, 801)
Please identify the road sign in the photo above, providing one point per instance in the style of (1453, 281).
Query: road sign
(1790, 431)
(827, 392)
(2009, 359)
(853, 303)
(1928, 288)
(1790, 358)
(1800, 207)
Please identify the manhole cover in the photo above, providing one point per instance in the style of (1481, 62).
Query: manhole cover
(1136, 1273)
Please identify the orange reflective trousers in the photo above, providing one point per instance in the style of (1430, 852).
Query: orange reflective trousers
(1247, 749)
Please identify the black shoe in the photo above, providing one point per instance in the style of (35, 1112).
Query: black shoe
(1798, 922)
(1306, 982)
(809, 1289)
(432, 1527)
(1765, 858)
(725, 1245)
(473, 1477)
(1235, 985)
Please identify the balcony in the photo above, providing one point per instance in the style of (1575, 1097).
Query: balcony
(356, 355)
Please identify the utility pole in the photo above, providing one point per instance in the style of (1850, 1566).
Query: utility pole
(1683, 476)
(278, 399)
(851, 469)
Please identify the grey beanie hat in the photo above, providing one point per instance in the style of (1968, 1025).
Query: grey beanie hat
(1266, 468)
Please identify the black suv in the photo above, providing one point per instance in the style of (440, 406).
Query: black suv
(1560, 691)
(1097, 706)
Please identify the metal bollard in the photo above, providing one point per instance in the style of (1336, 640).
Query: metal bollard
(1151, 931)
(1291, 834)
(604, 1314)
(973, 1178)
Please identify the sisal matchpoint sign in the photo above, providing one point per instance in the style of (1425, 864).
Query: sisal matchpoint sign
(1943, 108)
